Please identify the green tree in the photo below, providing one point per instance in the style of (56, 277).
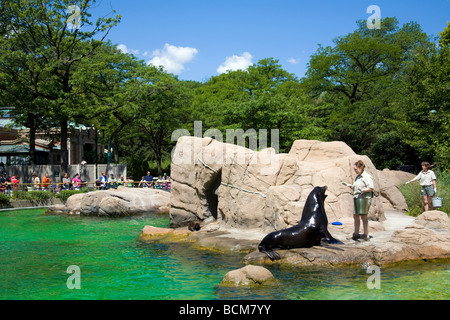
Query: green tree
(423, 105)
(157, 115)
(264, 96)
(47, 40)
(109, 81)
(356, 82)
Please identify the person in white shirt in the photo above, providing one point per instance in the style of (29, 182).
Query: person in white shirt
(363, 187)
(427, 180)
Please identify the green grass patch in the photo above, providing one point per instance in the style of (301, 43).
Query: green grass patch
(5, 201)
(66, 194)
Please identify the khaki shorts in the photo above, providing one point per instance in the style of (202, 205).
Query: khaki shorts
(427, 191)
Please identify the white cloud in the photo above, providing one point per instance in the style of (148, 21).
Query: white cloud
(294, 61)
(173, 58)
(234, 63)
(125, 49)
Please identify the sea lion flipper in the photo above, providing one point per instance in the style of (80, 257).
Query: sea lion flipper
(272, 254)
(331, 240)
(276, 255)
(328, 238)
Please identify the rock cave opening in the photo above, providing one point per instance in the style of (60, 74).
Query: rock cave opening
(212, 199)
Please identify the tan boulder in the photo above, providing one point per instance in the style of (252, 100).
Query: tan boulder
(71, 207)
(391, 196)
(74, 203)
(311, 150)
(150, 233)
(247, 276)
(118, 202)
(415, 242)
(241, 188)
(434, 220)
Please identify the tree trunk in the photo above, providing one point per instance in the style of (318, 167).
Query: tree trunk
(64, 148)
(32, 127)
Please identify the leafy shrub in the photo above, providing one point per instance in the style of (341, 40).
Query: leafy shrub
(443, 188)
(40, 197)
(66, 194)
(414, 200)
(5, 201)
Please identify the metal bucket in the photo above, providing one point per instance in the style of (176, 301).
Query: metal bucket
(437, 202)
(362, 205)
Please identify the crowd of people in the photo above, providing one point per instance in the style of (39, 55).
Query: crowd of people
(10, 184)
(148, 181)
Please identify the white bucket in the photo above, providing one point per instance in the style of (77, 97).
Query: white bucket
(437, 202)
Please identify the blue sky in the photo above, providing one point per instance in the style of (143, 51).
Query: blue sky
(197, 39)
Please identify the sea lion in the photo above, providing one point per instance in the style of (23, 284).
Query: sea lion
(311, 230)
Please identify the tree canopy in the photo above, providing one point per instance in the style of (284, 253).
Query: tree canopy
(385, 92)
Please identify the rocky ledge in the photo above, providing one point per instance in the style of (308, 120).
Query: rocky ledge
(398, 238)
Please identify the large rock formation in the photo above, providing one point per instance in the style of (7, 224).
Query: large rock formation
(118, 202)
(245, 189)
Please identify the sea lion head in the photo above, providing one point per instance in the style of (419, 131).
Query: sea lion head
(321, 195)
(322, 191)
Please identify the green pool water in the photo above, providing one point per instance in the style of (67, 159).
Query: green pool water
(36, 250)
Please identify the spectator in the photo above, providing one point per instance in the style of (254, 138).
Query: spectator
(103, 181)
(76, 182)
(142, 182)
(66, 182)
(148, 180)
(8, 186)
(15, 182)
(112, 182)
(168, 183)
(46, 181)
(130, 182)
(121, 181)
(36, 182)
(3, 183)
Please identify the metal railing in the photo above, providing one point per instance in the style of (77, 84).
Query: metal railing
(9, 187)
